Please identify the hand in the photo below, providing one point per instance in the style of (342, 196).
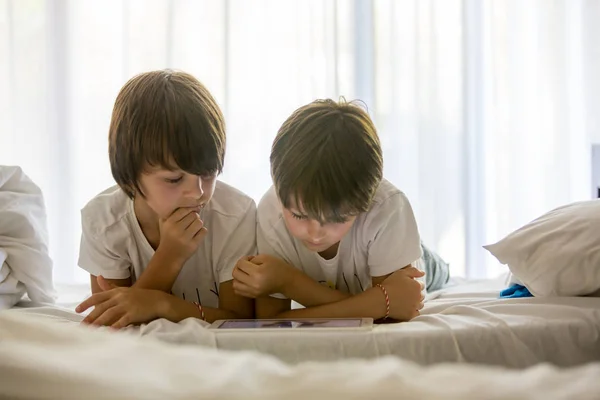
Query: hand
(119, 307)
(405, 293)
(261, 275)
(181, 234)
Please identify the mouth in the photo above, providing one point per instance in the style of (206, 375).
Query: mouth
(197, 208)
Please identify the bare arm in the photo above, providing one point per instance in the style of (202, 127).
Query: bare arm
(370, 303)
(270, 307)
(310, 293)
(240, 306)
(403, 291)
(120, 306)
(176, 309)
(255, 279)
(116, 282)
(160, 273)
(264, 274)
(231, 306)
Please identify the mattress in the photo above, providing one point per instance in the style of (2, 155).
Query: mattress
(40, 359)
(464, 323)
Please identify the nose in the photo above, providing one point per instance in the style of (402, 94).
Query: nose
(196, 187)
(315, 230)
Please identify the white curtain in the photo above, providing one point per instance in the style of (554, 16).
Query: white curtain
(485, 108)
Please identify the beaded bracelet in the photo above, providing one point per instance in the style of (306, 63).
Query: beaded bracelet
(201, 310)
(387, 300)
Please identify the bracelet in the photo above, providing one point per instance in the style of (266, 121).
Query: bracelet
(387, 300)
(202, 317)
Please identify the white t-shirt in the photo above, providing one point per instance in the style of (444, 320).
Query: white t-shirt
(382, 240)
(113, 245)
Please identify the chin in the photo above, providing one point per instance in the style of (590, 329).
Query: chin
(317, 248)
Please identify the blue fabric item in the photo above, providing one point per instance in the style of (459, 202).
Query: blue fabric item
(515, 291)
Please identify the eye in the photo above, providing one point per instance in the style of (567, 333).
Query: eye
(298, 217)
(174, 180)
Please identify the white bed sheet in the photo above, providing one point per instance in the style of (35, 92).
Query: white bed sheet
(465, 323)
(40, 359)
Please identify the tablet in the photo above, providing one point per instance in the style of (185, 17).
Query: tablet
(294, 324)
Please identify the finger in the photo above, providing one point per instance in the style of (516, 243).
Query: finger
(421, 305)
(246, 258)
(180, 213)
(260, 259)
(121, 323)
(413, 272)
(422, 285)
(198, 237)
(238, 274)
(246, 266)
(97, 312)
(104, 283)
(188, 220)
(241, 276)
(93, 300)
(194, 228)
(109, 316)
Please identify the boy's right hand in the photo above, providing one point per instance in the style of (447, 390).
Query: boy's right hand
(181, 234)
(405, 293)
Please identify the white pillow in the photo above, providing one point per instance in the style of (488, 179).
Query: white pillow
(557, 254)
(23, 240)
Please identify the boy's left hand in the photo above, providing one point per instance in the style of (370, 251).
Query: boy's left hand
(119, 307)
(261, 275)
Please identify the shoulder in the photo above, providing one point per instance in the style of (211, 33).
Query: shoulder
(269, 210)
(388, 198)
(389, 206)
(105, 211)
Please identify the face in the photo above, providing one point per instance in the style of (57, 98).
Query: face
(165, 190)
(315, 236)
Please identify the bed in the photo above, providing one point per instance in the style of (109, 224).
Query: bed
(465, 323)
(42, 359)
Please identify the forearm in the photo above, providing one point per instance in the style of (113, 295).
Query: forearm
(175, 309)
(116, 282)
(160, 274)
(370, 303)
(310, 293)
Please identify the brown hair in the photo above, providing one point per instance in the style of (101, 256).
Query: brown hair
(167, 119)
(327, 159)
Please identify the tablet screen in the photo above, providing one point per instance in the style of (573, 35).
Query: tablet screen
(290, 324)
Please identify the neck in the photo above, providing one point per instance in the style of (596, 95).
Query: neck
(148, 221)
(330, 252)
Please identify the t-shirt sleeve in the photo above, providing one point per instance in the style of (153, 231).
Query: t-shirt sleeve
(269, 242)
(393, 236)
(240, 242)
(98, 252)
